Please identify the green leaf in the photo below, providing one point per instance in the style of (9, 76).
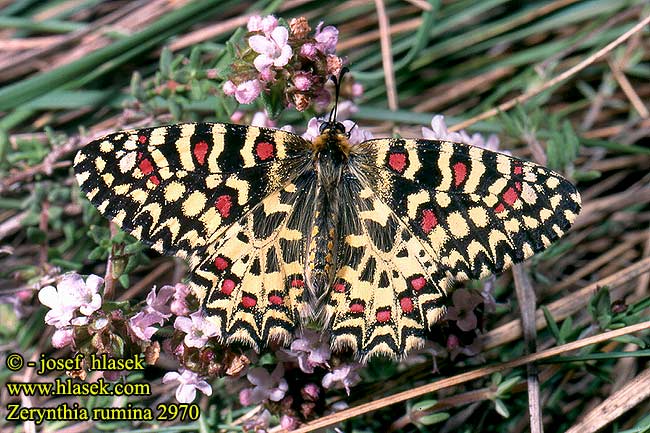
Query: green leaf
(501, 408)
(124, 280)
(434, 418)
(273, 101)
(600, 307)
(631, 339)
(506, 385)
(586, 175)
(423, 405)
(566, 329)
(36, 235)
(552, 326)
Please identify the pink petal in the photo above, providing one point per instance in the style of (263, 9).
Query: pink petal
(254, 23)
(204, 387)
(170, 376)
(185, 393)
(229, 88)
(262, 62)
(261, 44)
(284, 56)
(183, 324)
(280, 36)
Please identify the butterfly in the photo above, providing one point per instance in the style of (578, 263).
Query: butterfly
(363, 240)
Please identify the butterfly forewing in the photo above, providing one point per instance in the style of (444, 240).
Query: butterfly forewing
(177, 188)
(476, 211)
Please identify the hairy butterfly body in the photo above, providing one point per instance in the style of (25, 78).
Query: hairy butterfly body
(362, 239)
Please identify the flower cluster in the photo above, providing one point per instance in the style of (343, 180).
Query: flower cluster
(439, 131)
(72, 295)
(288, 61)
(296, 387)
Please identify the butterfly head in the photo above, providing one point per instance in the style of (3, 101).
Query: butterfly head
(332, 140)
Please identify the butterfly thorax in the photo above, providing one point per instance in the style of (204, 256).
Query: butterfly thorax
(331, 150)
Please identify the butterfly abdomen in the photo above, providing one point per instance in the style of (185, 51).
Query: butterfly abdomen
(330, 157)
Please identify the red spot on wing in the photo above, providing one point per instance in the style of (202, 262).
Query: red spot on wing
(200, 150)
(383, 316)
(460, 173)
(356, 307)
(339, 287)
(221, 263)
(518, 186)
(510, 196)
(397, 161)
(406, 304)
(223, 205)
(418, 283)
(275, 299)
(518, 169)
(297, 282)
(154, 180)
(429, 221)
(227, 286)
(264, 150)
(500, 208)
(248, 301)
(145, 166)
(142, 139)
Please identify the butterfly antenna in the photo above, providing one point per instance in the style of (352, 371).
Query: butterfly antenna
(350, 131)
(337, 91)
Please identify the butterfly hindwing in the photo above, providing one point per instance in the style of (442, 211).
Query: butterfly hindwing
(477, 211)
(253, 279)
(387, 290)
(178, 187)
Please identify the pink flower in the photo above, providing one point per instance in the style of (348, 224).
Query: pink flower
(346, 109)
(258, 24)
(189, 382)
(247, 91)
(141, 324)
(273, 49)
(289, 422)
(310, 392)
(158, 303)
(62, 337)
(198, 329)
(179, 302)
(20, 302)
(261, 118)
(439, 131)
(258, 423)
(309, 50)
(302, 81)
(465, 301)
(357, 135)
(343, 376)
(357, 90)
(311, 350)
(326, 38)
(267, 75)
(229, 88)
(268, 386)
(237, 116)
(156, 311)
(312, 130)
(71, 293)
